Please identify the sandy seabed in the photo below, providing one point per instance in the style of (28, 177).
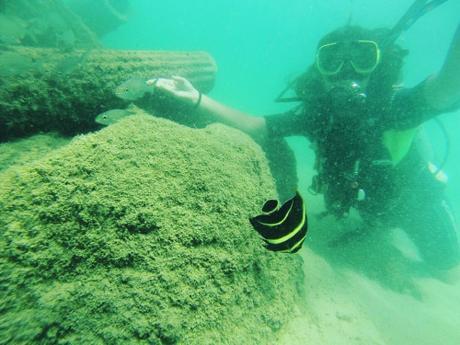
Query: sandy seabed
(348, 308)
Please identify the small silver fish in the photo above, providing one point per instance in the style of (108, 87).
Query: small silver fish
(133, 89)
(109, 117)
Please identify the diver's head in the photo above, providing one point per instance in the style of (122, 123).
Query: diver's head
(352, 63)
(345, 60)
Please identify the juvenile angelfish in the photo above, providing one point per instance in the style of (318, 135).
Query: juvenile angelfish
(283, 228)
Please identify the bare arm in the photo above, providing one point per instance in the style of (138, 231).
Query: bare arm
(443, 90)
(252, 125)
(183, 90)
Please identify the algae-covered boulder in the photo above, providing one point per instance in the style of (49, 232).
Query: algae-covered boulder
(139, 234)
(24, 151)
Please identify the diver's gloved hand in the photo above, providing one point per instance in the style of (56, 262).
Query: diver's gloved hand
(282, 228)
(177, 87)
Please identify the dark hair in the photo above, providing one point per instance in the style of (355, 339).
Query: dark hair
(380, 88)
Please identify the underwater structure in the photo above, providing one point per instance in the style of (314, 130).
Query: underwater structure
(101, 16)
(56, 76)
(45, 89)
(44, 24)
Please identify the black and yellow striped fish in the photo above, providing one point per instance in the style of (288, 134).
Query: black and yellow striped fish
(282, 228)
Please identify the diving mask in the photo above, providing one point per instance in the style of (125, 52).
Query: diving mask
(363, 55)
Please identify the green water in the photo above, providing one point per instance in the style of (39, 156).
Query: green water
(259, 46)
(358, 292)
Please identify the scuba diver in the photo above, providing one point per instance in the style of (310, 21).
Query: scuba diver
(363, 129)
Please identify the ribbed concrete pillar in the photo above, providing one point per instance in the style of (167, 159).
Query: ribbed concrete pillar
(44, 89)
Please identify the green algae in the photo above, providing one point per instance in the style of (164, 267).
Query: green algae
(139, 234)
(24, 151)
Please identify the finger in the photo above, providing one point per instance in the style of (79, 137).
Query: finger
(166, 84)
(152, 82)
(180, 80)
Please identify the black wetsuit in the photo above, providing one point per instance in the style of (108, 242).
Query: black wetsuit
(355, 169)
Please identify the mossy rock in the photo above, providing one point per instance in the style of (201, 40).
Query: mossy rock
(139, 234)
(24, 151)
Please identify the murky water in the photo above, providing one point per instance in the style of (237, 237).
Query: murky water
(380, 287)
